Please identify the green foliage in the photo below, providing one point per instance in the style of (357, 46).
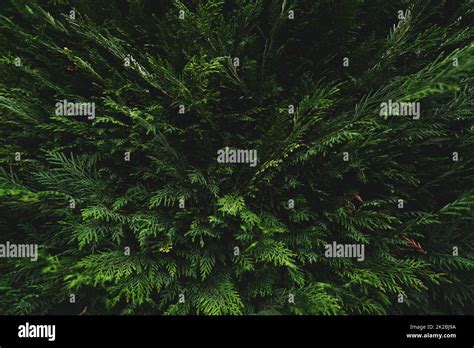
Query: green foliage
(236, 247)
